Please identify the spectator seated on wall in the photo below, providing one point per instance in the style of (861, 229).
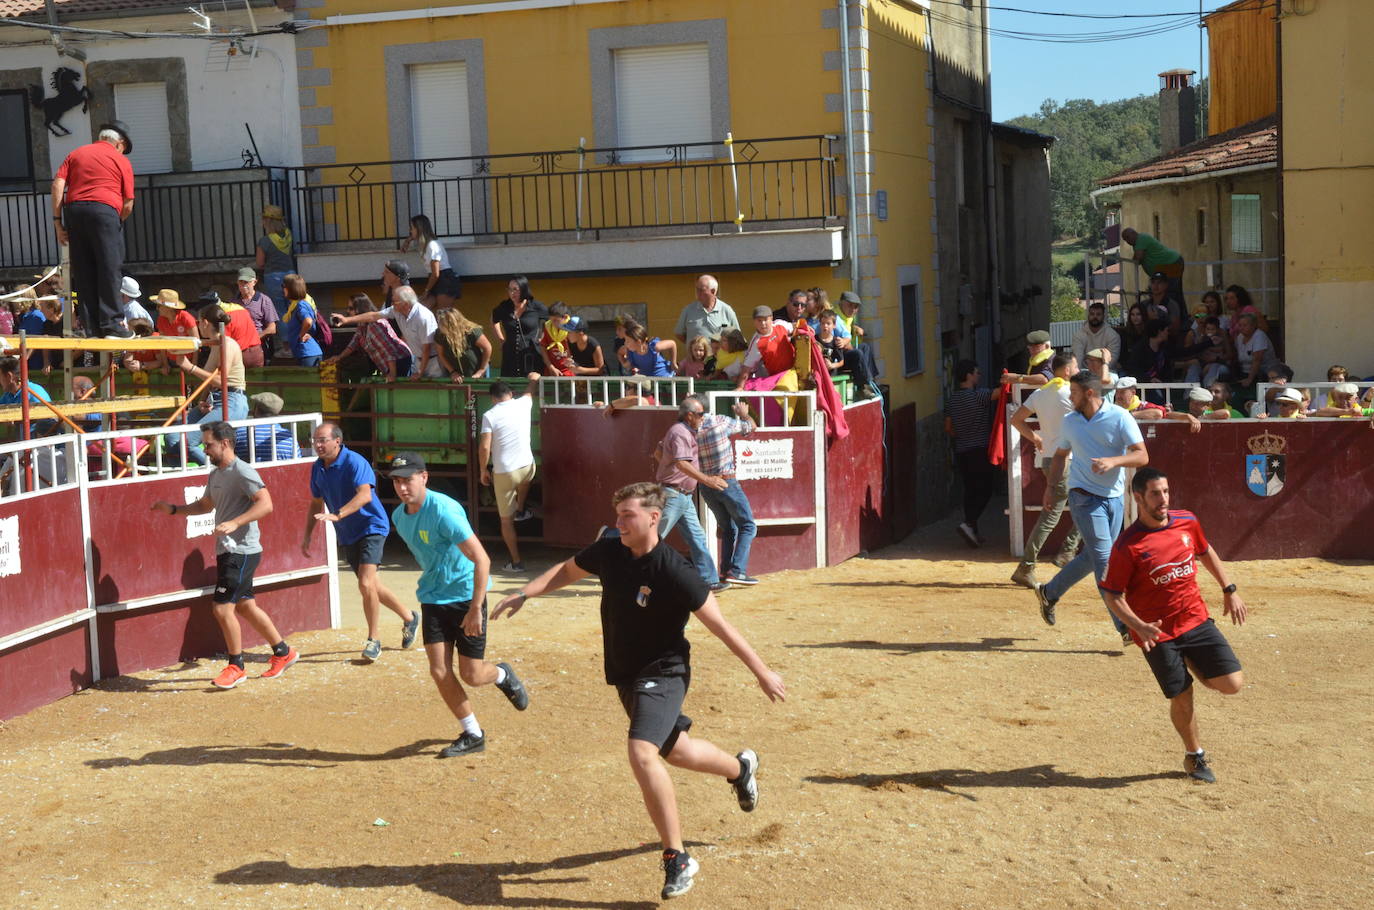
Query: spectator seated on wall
(1140, 409)
(271, 441)
(730, 355)
(1206, 352)
(1148, 359)
(1095, 334)
(1289, 405)
(770, 363)
(553, 342)
(840, 358)
(1200, 405)
(645, 355)
(1255, 355)
(1279, 376)
(1221, 401)
(1343, 401)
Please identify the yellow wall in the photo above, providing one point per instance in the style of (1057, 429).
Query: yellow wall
(1242, 83)
(1328, 157)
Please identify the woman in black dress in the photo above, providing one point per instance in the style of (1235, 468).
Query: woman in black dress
(517, 322)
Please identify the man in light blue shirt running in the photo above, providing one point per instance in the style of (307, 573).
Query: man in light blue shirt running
(454, 578)
(1105, 440)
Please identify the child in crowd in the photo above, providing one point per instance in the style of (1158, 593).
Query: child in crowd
(645, 355)
(553, 342)
(693, 365)
(618, 351)
(830, 342)
(730, 356)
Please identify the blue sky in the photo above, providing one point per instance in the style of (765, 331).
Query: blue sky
(1025, 73)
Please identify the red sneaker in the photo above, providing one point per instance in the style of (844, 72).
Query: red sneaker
(277, 665)
(229, 677)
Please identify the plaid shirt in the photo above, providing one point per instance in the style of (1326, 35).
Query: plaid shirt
(714, 452)
(379, 340)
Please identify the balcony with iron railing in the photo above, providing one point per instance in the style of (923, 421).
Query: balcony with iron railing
(482, 206)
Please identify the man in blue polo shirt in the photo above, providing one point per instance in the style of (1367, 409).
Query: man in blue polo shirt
(344, 488)
(455, 574)
(1104, 440)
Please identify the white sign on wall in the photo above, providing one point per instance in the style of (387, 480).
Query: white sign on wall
(198, 525)
(9, 546)
(763, 459)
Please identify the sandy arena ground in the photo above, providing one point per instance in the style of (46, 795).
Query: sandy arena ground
(940, 747)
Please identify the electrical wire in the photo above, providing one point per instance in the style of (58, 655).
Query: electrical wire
(286, 28)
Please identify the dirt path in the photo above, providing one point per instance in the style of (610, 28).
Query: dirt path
(940, 748)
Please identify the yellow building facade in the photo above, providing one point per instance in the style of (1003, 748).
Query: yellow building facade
(1327, 131)
(549, 97)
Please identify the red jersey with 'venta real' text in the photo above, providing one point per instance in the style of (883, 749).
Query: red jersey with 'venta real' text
(1156, 569)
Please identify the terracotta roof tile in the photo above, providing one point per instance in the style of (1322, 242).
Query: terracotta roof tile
(13, 9)
(1251, 143)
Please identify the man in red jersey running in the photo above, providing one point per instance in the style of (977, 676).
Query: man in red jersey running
(1151, 586)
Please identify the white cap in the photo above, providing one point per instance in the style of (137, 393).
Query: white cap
(1289, 394)
(1346, 388)
(1124, 382)
(130, 288)
(1199, 395)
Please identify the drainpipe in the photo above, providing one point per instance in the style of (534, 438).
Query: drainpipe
(990, 202)
(847, 107)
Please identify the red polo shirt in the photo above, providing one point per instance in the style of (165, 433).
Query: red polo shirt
(98, 173)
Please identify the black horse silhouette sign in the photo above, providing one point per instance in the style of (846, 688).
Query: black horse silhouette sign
(64, 81)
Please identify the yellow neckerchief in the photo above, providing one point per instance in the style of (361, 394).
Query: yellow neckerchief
(282, 241)
(229, 307)
(1057, 382)
(556, 334)
(292, 308)
(1037, 359)
(1135, 403)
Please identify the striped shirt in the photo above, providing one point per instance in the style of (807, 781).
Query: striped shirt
(267, 439)
(379, 340)
(715, 455)
(970, 411)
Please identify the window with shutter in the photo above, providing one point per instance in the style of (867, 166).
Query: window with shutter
(663, 97)
(143, 108)
(16, 161)
(439, 106)
(1246, 234)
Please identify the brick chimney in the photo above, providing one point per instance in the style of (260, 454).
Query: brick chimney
(1177, 110)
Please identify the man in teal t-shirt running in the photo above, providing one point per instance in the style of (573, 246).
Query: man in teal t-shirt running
(454, 578)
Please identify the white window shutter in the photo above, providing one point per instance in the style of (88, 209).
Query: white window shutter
(439, 110)
(143, 108)
(663, 96)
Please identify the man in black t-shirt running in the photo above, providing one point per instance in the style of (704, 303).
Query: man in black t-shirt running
(648, 590)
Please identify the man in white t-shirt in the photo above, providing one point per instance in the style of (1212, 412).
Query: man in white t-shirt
(417, 325)
(505, 446)
(1049, 404)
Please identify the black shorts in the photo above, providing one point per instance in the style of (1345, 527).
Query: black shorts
(448, 284)
(1203, 646)
(367, 551)
(234, 576)
(653, 700)
(444, 622)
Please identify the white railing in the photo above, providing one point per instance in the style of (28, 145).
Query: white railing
(788, 410)
(1258, 406)
(574, 391)
(37, 465)
(105, 465)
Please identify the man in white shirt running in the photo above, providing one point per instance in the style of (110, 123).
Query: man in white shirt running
(1049, 404)
(505, 446)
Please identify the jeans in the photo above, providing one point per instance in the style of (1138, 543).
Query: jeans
(238, 410)
(1099, 521)
(680, 507)
(1049, 518)
(1206, 373)
(271, 286)
(736, 520)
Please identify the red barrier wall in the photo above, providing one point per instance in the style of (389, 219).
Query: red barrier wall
(782, 546)
(50, 547)
(856, 513)
(1324, 509)
(44, 669)
(138, 553)
(586, 458)
(158, 636)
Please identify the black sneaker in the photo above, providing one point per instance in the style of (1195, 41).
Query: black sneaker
(513, 688)
(741, 579)
(465, 745)
(1195, 763)
(678, 869)
(746, 787)
(1046, 605)
(720, 586)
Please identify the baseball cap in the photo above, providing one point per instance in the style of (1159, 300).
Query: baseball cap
(1039, 336)
(762, 311)
(1289, 394)
(269, 401)
(1199, 395)
(406, 463)
(575, 324)
(247, 274)
(210, 296)
(398, 268)
(129, 288)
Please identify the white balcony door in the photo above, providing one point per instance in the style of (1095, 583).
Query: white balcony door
(663, 97)
(143, 108)
(439, 109)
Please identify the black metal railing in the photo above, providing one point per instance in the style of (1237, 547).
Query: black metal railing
(197, 216)
(583, 192)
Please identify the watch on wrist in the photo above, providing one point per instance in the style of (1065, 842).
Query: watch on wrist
(1229, 589)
